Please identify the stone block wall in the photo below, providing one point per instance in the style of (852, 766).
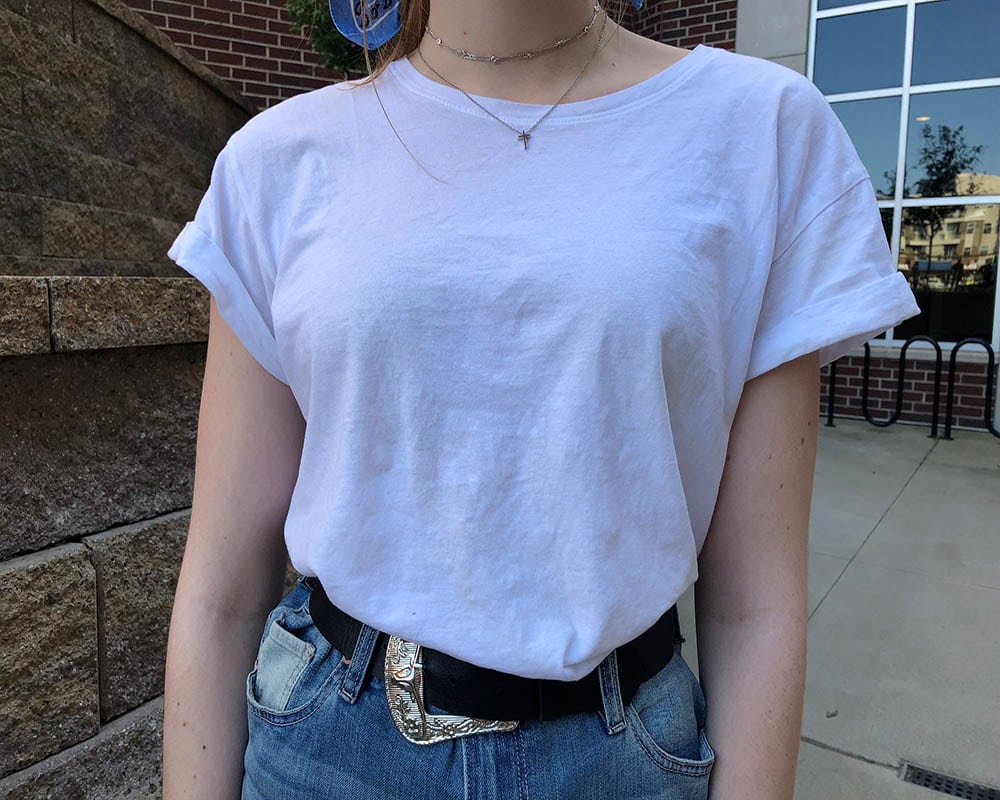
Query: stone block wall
(107, 137)
(108, 133)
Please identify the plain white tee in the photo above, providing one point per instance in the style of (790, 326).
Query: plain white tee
(519, 375)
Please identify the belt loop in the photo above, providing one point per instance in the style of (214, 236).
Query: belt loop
(611, 694)
(357, 670)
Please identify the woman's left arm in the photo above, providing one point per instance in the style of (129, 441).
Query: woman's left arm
(751, 595)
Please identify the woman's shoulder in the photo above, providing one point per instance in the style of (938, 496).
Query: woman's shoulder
(287, 128)
(739, 72)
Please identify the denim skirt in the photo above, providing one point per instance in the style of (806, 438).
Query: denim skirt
(320, 731)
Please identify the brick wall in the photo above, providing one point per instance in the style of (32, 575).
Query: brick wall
(918, 390)
(685, 23)
(250, 44)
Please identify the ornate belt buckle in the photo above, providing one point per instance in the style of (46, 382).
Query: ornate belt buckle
(404, 688)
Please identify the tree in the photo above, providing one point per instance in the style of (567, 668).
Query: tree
(944, 156)
(312, 17)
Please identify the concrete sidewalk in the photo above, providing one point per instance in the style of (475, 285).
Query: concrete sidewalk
(904, 595)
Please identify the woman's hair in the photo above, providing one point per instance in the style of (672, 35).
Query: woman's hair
(414, 14)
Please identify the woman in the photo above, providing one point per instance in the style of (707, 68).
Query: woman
(508, 350)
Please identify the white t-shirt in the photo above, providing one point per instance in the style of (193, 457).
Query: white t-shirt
(519, 379)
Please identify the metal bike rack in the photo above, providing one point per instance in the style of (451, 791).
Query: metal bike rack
(899, 384)
(901, 377)
(990, 364)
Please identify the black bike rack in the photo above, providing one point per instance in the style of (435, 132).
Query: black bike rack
(990, 364)
(831, 394)
(901, 377)
(899, 384)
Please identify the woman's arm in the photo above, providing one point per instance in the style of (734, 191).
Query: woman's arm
(250, 433)
(750, 598)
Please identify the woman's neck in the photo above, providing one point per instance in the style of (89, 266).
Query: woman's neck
(507, 27)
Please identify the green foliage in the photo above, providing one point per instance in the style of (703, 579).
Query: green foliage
(312, 19)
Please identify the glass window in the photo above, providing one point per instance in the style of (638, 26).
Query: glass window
(948, 142)
(955, 40)
(873, 126)
(956, 295)
(825, 4)
(860, 51)
(951, 143)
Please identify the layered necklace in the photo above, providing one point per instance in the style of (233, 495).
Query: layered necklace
(522, 135)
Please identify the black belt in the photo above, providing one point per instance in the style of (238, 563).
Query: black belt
(462, 688)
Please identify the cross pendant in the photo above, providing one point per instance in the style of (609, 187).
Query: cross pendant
(523, 136)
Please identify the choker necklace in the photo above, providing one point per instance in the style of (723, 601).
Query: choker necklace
(523, 135)
(527, 54)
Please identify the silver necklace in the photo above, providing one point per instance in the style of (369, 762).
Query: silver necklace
(527, 54)
(523, 135)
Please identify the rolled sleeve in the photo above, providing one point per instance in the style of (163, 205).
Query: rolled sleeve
(832, 288)
(220, 248)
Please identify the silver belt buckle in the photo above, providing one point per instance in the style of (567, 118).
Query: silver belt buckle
(404, 688)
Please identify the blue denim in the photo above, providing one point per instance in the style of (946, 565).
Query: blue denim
(318, 731)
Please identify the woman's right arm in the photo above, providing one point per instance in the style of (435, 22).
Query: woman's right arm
(249, 445)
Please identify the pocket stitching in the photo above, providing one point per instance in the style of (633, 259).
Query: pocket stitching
(291, 716)
(667, 761)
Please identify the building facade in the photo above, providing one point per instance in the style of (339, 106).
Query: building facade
(916, 84)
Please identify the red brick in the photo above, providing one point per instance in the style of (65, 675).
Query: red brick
(265, 64)
(245, 21)
(174, 9)
(279, 26)
(286, 53)
(210, 42)
(216, 15)
(178, 37)
(260, 36)
(219, 57)
(261, 10)
(971, 391)
(240, 73)
(249, 48)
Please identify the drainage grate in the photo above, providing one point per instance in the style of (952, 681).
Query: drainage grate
(946, 784)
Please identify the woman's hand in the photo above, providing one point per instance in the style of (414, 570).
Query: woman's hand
(751, 594)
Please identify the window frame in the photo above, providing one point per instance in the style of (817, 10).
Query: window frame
(904, 92)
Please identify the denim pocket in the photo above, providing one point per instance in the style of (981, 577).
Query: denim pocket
(667, 720)
(296, 667)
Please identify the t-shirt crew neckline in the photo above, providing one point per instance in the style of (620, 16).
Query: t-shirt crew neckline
(613, 103)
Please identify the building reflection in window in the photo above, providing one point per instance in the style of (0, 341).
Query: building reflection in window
(941, 125)
(949, 256)
(948, 144)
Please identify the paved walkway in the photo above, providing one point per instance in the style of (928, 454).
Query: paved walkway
(904, 595)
